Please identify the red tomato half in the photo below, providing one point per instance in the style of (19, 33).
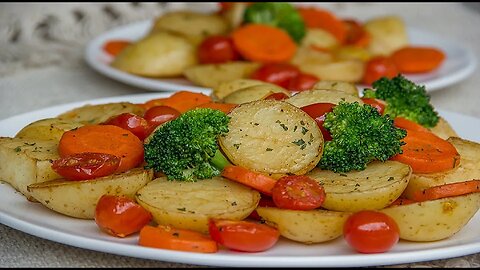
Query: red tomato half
(217, 49)
(318, 111)
(85, 166)
(134, 123)
(356, 34)
(265, 201)
(277, 73)
(243, 235)
(158, 115)
(376, 103)
(371, 232)
(298, 192)
(379, 67)
(277, 96)
(120, 216)
(302, 82)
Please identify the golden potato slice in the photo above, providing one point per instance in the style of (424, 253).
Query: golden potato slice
(319, 38)
(306, 58)
(387, 34)
(189, 205)
(352, 53)
(96, 114)
(305, 98)
(160, 54)
(434, 220)
(234, 14)
(377, 186)
(308, 227)
(468, 169)
(339, 70)
(349, 88)
(49, 129)
(26, 161)
(192, 25)
(212, 75)
(79, 198)
(272, 137)
(253, 93)
(443, 129)
(226, 88)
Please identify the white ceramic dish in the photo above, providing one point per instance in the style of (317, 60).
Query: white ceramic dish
(459, 64)
(35, 219)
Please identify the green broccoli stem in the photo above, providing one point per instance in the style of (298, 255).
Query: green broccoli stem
(219, 161)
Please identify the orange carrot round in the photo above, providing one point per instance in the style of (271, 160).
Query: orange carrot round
(107, 139)
(417, 59)
(404, 123)
(427, 153)
(321, 18)
(249, 178)
(181, 101)
(264, 43)
(447, 190)
(114, 47)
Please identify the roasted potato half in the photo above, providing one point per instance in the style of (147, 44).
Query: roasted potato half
(443, 129)
(374, 188)
(434, 220)
(189, 205)
(387, 34)
(305, 98)
(308, 227)
(351, 70)
(212, 75)
(272, 137)
(349, 88)
(226, 88)
(79, 198)
(96, 114)
(253, 93)
(49, 129)
(468, 169)
(317, 37)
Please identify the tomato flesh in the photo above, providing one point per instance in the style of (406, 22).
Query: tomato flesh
(243, 235)
(277, 73)
(302, 82)
(371, 232)
(217, 49)
(134, 123)
(120, 216)
(298, 192)
(85, 166)
(379, 67)
(158, 115)
(376, 103)
(265, 201)
(318, 112)
(277, 96)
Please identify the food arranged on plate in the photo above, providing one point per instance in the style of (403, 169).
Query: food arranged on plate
(242, 168)
(293, 46)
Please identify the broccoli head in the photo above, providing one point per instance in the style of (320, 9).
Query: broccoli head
(404, 98)
(185, 148)
(359, 135)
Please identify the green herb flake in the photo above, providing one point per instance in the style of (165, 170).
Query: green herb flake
(391, 178)
(304, 130)
(17, 149)
(269, 149)
(299, 142)
(182, 209)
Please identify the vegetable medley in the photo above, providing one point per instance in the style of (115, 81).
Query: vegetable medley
(253, 163)
(293, 46)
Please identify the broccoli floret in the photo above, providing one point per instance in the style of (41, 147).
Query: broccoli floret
(186, 148)
(282, 15)
(404, 98)
(359, 135)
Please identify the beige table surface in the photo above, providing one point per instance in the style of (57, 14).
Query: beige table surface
(41, 65)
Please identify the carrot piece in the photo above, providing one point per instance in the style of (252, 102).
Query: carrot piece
(321, 18)
(104, 139)
(182, 101)
(166, 237)
(427, 153)
(404, 123)
(263, 43)
(249, 178)
(447, 190)
(224, 107)
(417, 59)
(114, 47)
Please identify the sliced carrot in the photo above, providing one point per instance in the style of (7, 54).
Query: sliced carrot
(427, 153)
(182, 101)
(114, 47)
(264, 43)
(250, 178)
(417, 59)
(321, 18)
(224, 107)
(166, 237)
(447, 190)
(104, 139)
(404, 123)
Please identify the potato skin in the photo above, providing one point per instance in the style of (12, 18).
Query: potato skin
(226, 88)
(49, 129)
(340, 70)
(189, 205)
(253, 93)
(434, 220)
(349, 88)
(96, 114)
(308, 227)
(212, 75)
(305, 98)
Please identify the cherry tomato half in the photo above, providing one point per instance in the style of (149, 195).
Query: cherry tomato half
(120, 216)
(243, 235)
(277, 96)
(276, 73)
(376, 103)
(298, 192)
(85, 166)
(379, 67)
(302, 82)
(134, 123)
(217, 49)
(265, 201)
(318, 111)
(371, 232)
(356, 34)
(158, 115)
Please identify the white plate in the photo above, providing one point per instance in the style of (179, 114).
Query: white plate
(459, 64)
(35, 219)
